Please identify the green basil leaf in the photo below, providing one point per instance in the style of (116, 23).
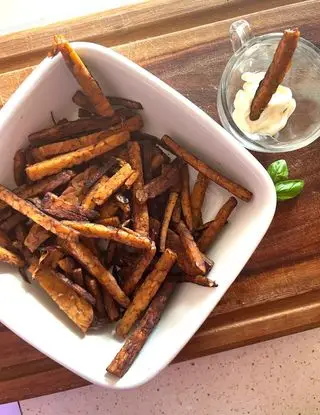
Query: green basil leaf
(288, 189)
(278, 171)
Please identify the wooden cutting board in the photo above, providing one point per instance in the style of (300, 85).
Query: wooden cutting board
(186, 45)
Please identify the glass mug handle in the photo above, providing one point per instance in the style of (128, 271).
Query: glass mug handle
(240, 33)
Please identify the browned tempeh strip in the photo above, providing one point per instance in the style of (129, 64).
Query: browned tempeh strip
(190, 247)
(43, 186)
(185, 196)
(77, 288)
(36, 236)
(5, 241)
(75, 307)
(53, 149)
(111, 221)
(276, 72)
(136, 273)
(94, 230)
(172, 200)
(210, 233)
(93, 265)
(140, 211)
(94, 288)
(200, 280)
(89, 85)
(61, 209)
(12, 222)
(234, 188)
(176, 214)
(80, 99)
(19, 165)
(10, 258)
(20, 232)
(77, 276)
(88, 201)
(67, 264)
(135, 342)
(160, 184)
(197, 199)
(131, 180)
(111, 307)
(56, 164)
(110, 208)
(146, 292)
(29, 210)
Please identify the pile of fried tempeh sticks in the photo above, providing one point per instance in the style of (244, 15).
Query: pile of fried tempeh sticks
(102, 215)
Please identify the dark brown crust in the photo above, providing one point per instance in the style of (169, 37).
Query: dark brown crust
(59, 208)
(134, 343)
(89, 85)
(11, 258)
(234, 188)
(77, 276)
(146, 292)
(67, 264)
(190, 247)
(19, 165)
(93, 265)
(36, 236)
(131, 180)
(197, 198)
(77, 288)
(29, 210)
(199, 280)
(94, 288)
(171, 203)
(5, 241)
(160, 184)
(20, 232)
(81, 100)
(111, 307)
(210, 233)
(185, 197)
(276, 72)
(12, 222)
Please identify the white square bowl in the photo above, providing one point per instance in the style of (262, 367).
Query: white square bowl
(28, 311)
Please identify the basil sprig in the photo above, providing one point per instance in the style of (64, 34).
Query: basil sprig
(286, 189)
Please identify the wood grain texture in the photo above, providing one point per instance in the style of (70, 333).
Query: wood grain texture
(278, 291)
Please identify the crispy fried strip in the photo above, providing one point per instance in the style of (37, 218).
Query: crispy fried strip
(12, 222)
(210, 233)
(93, 265)
(172, 200)
(111, 252)
(131, 180)
(56, 164)
(19, 165)
(89, 85)
(81, 100)
(190, 247)
(185, 196)
(234, 188)
(157, 161)
(10, 258)
(54, 149)
(135, 342)
(94, 288)
(200, 280)
(146, 292)
(36, 236)
(110, 208)
(276, 72)
(142, 264)
(43, 186)
(29, 210)
(78, 289)
(59, 208)
(140, 211)
(94, 230)
(176, 214)
(197, 199)
(67, 264)
(111, 307)
(77, 276)
(88, 201)
(75, 307)
(20, 232)
(112, 221)
(160, 184)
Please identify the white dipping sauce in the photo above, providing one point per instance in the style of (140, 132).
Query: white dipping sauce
(274, 117)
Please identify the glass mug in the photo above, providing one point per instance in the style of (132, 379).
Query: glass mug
(254, 54)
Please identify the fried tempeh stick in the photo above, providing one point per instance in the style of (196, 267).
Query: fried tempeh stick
(36, 236)
(190, 247)
(210, 233)
(134, 343)
(88, 201)
(93, 265)
(5, 241)
(94, 230)
(234, 188)
(81, 100)
(61, 209)
(140, 211)
(19, 165)
(172, 200)
(67, 264)
(77, 276)
(185, 196)
(276, 72)
(54, 149)
(43, 186)
(131, 180)
(75, 307)
(197, 199)
(160, 184)
(94, 288)
(29, 210)
(112, 221)
(176, 214)
(142, 264)
(56, 164)
(146, 292)
(10, 258)
(111, 307)
(78, 289)
(12, 222)
(89, 85)
(200, 280)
